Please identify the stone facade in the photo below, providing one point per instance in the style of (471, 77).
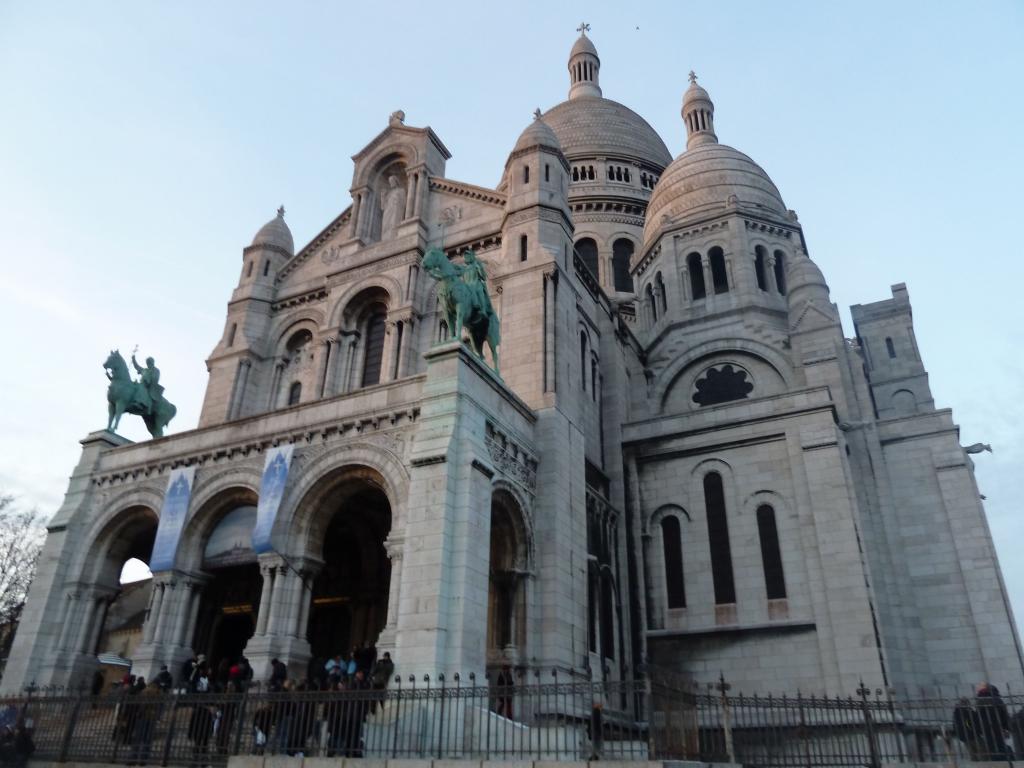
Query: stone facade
(683, 463)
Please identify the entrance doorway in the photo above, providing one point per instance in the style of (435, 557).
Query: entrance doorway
(350, 594)
(227, 613)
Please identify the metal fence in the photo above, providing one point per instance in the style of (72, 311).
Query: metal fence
(541, 717)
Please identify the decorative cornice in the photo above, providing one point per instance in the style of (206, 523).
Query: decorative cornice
(769, 228)
(353, 274)
(682, 234)
(587, 218)
(336, 432)
(265, 247)
(511, 458)
(469, 191)
(317, 294)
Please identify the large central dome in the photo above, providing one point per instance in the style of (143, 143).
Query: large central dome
(593, 125)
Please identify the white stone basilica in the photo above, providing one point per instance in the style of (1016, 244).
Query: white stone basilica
(684, 463)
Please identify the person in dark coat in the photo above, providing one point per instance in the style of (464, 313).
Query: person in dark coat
(382, 672)
(278, 675)
(994, 722)
(966, 727)
(97, 683)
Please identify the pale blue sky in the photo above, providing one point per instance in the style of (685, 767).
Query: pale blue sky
(142, 145)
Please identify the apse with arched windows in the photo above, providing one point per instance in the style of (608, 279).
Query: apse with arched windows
(507, 582)
(367, 315)
(351, 519)
(110, 620)
(227, 612)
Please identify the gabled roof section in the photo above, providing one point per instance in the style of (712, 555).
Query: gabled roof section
(401, 129)
(325, 234)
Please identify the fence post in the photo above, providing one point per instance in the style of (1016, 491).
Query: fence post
(165, 758)
(65, 742)
(241, 720)
(723, 689)
(440, 719)
(869, 725)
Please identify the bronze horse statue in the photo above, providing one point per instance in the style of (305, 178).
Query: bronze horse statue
(464, 300)
(127, 396)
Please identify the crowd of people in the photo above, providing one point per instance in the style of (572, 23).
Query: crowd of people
(985, 727)
(280, 724)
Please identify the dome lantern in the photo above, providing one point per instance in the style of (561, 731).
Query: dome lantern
(698, 114)
(584, 66)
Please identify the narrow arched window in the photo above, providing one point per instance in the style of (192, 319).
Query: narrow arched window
(759, 267)
(660, 289)
(626, 174)
(719, 277)
(718, 539)
(547, 172)
(590, 173)
(611, 173)
(442, 330)
(652, 304)
(618, 174)
(231, 334)
(526, 174)
(780, 271)
(295, 393)
(672, 548)
(693, 265)
(374, 355)
(583, 360)
(266, 268)
(771, 556)
(575, 174)
(523, 247)
(593, 379)
(622, 254)
(248, 272)
(587, 249)
(890, 347)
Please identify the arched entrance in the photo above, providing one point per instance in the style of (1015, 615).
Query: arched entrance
(506, 603)
(110, 626)
(350, 593)
(227, 612)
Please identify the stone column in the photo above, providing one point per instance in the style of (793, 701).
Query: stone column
(71, 605)
(184, 612)
(331, 374)
(390, 351)
(769, 265)
(357, 199)
(166, 607)
(709, 283)
(97, 630)
(422, 185)
(394, 548)
(550, 320)
(322, 368)
(410, 196)
(265, 596)
(404, 348)
(275, 382)
(153, 615)
(241, 382)
(275, 617)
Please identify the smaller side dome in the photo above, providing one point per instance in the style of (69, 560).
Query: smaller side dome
(805, 281)
(276, 233)
(537, 133)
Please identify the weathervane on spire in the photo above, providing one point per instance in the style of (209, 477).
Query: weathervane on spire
(693, 77)
(280, 211)
(583, 28)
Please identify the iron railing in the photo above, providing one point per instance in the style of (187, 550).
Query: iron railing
(547, 716)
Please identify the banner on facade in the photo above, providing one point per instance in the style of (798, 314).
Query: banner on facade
(172, 518)
(275, 476)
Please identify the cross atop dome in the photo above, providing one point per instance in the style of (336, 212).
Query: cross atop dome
(583, 28)
(280, 212)
(693, 77)
(536, 113)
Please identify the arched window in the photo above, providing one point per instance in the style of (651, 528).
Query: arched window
(583, 360)
(759, 266)
(622, 254)
(526, 174)
(672, 547)
(626, 174)
(611, 173)
(231, 334)
(890, 347)
(266, 267)
(719, 278)
(442, 331)
(693, 265)
(587, 249)
(652, 305)
(373, 357)
(718, 540)
(248, 272)
(295, 393)
(660, 290)
(590, 173)
(771, 557)
(523, 247)
(547, 172)
(575, 174)
(780, 271)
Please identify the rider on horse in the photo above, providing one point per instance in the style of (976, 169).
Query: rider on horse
(149, 390)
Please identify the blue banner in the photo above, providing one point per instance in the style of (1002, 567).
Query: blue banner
(275, 477)
(172, 518)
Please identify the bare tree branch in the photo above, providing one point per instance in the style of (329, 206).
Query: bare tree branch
(21, 540)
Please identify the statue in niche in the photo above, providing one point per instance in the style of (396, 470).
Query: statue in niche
(392, 204)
